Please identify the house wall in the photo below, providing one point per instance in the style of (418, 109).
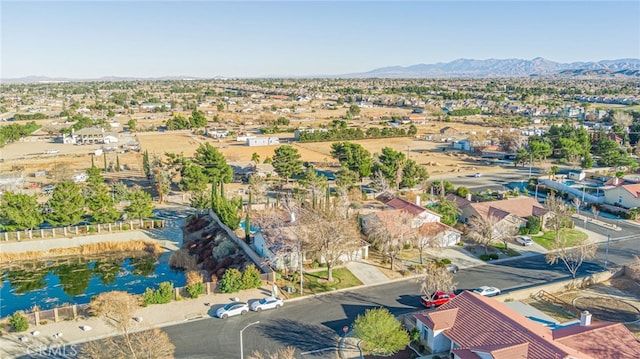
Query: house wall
(426, 217)
(621, 197)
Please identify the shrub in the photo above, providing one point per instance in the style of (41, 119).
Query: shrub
(533, 224)
(315, 265)
(523, 230)
(485, 257)
(162, 295)
(193, 277)
(406, 246)
(493, 256)
(18, 322)
(195, 290)
(251, 278)
(405, 272)
(231, 281)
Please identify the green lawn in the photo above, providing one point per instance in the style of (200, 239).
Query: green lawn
(573, 236)
(316, 282)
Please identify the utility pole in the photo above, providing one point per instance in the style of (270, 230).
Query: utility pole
(606, 253)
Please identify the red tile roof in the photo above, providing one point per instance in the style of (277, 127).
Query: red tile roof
(634, 189)
(481, 322)
(433, 228)
(403, 204)
(520, 206)
(620, 342)
(478, 324)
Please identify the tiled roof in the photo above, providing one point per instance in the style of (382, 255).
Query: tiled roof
(461, 202)
(634, 189)
(514, 351)
(617, 342)
(520, 206)
(433, 228)
(482, 322)
(403, 204)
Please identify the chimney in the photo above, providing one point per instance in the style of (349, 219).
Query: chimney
(615, 181)
(585, 319)
(417, 200)
(469, 197)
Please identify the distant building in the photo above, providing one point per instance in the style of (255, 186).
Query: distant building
(154, 105)
(92, 136)
(11, 181)
(263, 141)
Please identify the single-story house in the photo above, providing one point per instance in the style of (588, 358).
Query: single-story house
(471, 326)
(627, 196)
(279, 247)
(426, 222)
(512, 211)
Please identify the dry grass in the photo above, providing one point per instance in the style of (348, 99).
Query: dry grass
(193, 277)
(136, 246)
(182, 259)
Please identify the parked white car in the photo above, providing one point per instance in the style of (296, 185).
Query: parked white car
(524, 240)
(487, 291)
(267, 303)
(231, 309)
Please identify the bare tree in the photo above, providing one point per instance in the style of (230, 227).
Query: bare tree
(507, 234)
(572, 257)
(117, 309)
(256, 188)
(560, 212)
(436, 278)
(331, 232)
(576, 203)
(149, 344)
(286, 353)
(483, 230)
(510, 141)
(390, 232)
(595, 211)
(425, 237)
(379, 181)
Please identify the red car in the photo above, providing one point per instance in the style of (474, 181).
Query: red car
(438, 299)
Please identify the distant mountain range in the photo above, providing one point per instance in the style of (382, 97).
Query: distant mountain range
(507, 68)
(461, 68)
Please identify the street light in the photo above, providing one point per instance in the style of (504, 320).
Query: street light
(242, 330)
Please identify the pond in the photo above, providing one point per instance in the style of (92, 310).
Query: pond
(57, 282)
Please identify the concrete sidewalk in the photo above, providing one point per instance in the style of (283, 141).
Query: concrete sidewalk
(65, 336)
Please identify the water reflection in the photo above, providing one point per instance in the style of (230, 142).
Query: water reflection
(76, 280)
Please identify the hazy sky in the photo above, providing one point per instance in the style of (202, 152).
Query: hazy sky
(267, 38)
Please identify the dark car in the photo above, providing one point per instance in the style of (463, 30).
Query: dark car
(439, 298)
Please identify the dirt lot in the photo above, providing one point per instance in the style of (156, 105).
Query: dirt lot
(616, 300)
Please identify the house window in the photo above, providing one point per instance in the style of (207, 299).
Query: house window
(620, 199)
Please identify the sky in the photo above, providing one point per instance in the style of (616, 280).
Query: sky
(91, 39)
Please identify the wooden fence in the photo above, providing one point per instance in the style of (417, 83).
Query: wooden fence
(62, 232)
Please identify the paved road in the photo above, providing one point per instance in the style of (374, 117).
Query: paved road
(314, 324)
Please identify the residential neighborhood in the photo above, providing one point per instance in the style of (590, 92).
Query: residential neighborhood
(327, 180)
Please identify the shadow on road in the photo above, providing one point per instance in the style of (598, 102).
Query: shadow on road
(301, 335)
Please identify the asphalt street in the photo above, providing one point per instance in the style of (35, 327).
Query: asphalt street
(313, 325)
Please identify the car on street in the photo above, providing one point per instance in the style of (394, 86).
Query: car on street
(477, 174)
(231, 309)
(524, 240)
(438, 299)
(452, 268)
(487, 291)
(267, 303)
(48, 189)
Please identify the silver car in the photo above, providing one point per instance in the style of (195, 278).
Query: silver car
(487, 291)
(524, 240)
(231, 309)
(267, 303)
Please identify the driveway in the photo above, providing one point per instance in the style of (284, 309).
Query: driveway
(368, 273)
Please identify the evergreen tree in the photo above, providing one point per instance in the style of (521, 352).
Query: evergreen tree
(66, 204)
(286, 162)
(141, 205)
(19, 211)
(102, 206)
